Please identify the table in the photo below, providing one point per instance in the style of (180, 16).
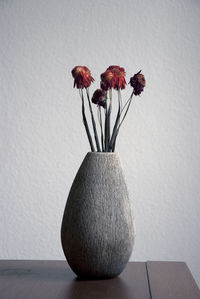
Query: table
(30, 279)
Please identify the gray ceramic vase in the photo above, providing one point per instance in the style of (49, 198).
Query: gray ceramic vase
(97, 230)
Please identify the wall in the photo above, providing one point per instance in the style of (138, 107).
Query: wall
(42, 137)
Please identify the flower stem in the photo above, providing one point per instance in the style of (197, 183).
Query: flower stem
(107, 122)
(105, 127)
(119, 125)
(130, 98)
(129, 103)
(85, 122)
(114, 133)
(113, 148)
(101, 127)
(93, 122)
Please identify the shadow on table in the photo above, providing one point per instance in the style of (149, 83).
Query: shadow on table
(61, 280)
(114, 288)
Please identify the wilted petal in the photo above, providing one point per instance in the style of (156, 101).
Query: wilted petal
(99, 97)
(138, 83)
(82, 77)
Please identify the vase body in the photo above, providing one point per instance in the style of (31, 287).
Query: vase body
(97, 231)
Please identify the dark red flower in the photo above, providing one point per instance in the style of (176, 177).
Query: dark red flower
(107, 80)
(138, 83)
(82, 77)
(113, 77)
(99, 97)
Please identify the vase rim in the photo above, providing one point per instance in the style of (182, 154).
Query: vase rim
(103, 153)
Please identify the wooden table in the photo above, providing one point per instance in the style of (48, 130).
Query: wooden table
(54, 280)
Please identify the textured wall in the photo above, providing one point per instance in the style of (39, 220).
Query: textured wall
(42, 138)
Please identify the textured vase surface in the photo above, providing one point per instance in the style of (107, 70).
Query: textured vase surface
(97, 232)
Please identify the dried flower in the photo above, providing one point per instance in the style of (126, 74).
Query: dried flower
(82, 77)
(99, 97)
(113, 77)
(107, 80)
(138, 83)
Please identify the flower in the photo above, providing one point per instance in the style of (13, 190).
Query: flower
(113, 77)
(99, 97)
(107, 80)
(138, 83)
(82, 77)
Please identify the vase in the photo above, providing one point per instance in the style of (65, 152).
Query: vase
(97, 232)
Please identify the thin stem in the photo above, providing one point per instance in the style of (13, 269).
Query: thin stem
(101, 127)
(130, 100)
(113, 149)
(108, 120)
(114, 133)
(117, 131)
(106, 127)
(109, 116)
(127, 102)
(85, 122)
(93, 122)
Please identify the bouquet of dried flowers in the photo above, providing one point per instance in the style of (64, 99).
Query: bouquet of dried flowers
(112, 79)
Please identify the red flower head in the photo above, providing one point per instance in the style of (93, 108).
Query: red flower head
(113, 77)
(82, 77)
(99, 97)
(138, 83)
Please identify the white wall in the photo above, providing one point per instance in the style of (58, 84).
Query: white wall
(42, 137)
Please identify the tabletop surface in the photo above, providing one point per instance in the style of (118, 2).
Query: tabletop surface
(31, 279)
